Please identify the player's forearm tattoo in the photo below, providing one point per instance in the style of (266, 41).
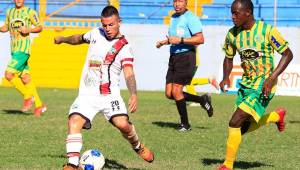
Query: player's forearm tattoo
(131, 84)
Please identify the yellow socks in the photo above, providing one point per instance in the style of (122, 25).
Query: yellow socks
(200, 81)
(191, 89)
(31, 87)
(233, 142)
(272, 117)
(18, 84)
(196, 81)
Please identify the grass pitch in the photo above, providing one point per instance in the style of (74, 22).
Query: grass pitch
(29, 143)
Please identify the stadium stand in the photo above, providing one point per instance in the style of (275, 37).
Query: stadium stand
(212, 12)
(218, 13)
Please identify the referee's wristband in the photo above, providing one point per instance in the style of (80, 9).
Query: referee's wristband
(182, 40)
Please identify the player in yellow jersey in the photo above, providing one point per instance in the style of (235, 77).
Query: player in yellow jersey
(19, 21)
(200, 81)
(255, 41)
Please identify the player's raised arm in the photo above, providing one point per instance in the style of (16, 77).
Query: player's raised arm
(131, 85)
(73, 39)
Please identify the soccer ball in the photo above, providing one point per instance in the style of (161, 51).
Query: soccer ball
(92, 159)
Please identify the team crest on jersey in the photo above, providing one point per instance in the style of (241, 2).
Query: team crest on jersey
(249, 54)
(259, 38)
(112, 51)
(17, 23)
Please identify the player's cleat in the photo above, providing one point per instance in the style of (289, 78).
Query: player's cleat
(207, 105)
(69, 166)
(39, 110)
(223, 167)
(194, 104)
(280, 124)
(145, 153)
(27, 104)
(184, 128)
(214, 82)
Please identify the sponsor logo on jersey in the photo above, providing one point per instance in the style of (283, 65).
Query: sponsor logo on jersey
(249, 54)
(17, 23)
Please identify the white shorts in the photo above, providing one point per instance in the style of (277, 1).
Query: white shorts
(88, 106)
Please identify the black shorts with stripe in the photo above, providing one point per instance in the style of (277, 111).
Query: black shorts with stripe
(181, 68)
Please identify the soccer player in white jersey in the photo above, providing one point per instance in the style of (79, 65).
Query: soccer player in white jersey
(109, 53)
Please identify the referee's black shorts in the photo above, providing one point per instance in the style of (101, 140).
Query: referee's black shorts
(181, 68)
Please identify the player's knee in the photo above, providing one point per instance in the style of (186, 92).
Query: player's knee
(75, 123)
(233, 124)
(9, 76)
(236, 122)
(123, 126)
(177, 94)
(169, 96)
(26, 78)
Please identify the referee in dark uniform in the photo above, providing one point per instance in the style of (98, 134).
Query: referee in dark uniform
(185, 33)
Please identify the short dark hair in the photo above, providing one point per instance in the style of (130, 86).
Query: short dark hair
(109, 11)
(247, 4)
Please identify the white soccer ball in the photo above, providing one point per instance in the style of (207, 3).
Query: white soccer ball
(92, 159)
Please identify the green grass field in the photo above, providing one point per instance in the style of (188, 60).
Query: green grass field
(29, 143)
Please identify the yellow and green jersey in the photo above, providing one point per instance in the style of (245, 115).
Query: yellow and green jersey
(256, 49)
(15, 18)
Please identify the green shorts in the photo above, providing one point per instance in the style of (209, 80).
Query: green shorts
(18, 63)
(252, 101)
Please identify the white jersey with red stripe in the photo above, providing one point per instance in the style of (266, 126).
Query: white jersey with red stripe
(93, 70)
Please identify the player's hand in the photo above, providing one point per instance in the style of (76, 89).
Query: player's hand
(267, 86)
(132, 103)
(161, 43)
(58, 40)
(24, 31)
(174, 40)
(224, 84)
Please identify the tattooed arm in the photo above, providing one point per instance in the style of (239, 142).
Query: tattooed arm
(131, 86)
(73, 39)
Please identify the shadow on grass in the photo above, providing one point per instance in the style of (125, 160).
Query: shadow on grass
(294, 121)
(109, 164)
(19, 112)
(237, 164)
(112, 164)
(174, 125)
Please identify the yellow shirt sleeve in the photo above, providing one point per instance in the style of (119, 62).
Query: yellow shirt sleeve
(277, 41)
(7, 18)
(34, 18)
(228, 47)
